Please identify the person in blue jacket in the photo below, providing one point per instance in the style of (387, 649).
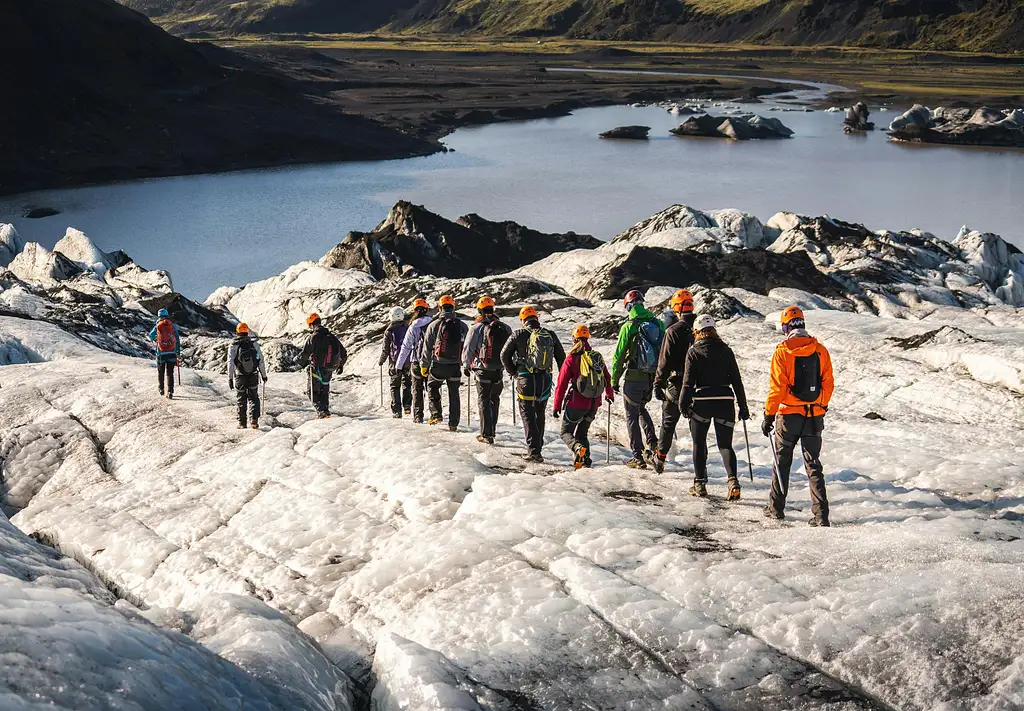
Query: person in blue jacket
(168, 348)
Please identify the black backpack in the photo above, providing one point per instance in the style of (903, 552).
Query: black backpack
(807, 378)
(246, 361)
(448, 345)
(496, 334)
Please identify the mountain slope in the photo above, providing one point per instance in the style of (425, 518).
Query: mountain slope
(973, 25)
(97, 92)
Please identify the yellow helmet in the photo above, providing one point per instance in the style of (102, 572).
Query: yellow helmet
(581, 331)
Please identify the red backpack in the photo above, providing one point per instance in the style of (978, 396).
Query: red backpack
(166, 338)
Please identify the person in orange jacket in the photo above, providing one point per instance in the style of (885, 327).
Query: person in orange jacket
(799, 391)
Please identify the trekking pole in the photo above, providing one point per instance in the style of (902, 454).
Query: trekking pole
(381, 384)
(775, 466)
(513, 381)
(469, 397)
(608, 435)
(745, 437)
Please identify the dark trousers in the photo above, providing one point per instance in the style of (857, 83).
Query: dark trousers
(441, 374)
(401, 390)
(165, 370)
(789, 430)
(320, 394)
(636, 394)
(489, 386)
(699, 428)
(576, 424)
(533, 391)
(670, 415)
(247, 395)
(419, 384)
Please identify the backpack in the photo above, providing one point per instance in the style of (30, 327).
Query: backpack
(540, 351)
(166, 338)
(246, 361)
(397, 336)
(647, 346)
(332, 355)
(494, 338)
(448, 344)
(807, 378)
(590, 383)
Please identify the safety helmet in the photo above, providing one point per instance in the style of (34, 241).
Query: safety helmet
(446, 301)
(312, 319)
(581, 331)
(397, 314)
(704, 322)
(484, 302)
(634, 296)
(420, 303)
(242, 328)
(162, 313)
(790, 313)
(527, 312)
(682, 301)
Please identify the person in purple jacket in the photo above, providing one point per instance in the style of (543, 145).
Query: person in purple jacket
(582, 380)
(401, 378)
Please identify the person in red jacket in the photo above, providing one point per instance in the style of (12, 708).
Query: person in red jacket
(582, 380)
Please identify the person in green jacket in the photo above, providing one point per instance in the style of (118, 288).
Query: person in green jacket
(636, 362)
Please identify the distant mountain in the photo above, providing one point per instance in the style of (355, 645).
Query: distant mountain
(973, 25)
(93, 91)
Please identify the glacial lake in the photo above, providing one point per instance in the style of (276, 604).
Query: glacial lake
(550, 174)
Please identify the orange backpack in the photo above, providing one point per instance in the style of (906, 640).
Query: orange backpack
(166, 339)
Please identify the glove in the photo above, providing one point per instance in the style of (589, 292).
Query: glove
(467, 372)
(339, 371)
(767, 425)
(659, 393)
(231, 384)
(264, 378)
(744, 413)
(556, 413)
(609, 400)
(424, 372)
(615, 389)
(688, 413)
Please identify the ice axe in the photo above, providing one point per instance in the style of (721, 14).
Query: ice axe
(750, 467)
(775, 467)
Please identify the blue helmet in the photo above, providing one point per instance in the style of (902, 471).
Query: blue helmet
(162, 313)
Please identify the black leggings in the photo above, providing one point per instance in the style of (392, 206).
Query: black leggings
(165, 370)
(699, 428)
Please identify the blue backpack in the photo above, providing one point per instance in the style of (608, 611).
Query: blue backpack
(647, 346)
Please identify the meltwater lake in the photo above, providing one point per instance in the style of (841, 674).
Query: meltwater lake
(549, 174)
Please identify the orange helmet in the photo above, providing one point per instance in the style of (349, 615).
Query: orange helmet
(682, 301)
(446, 301)
(791, 312)
(420, 303)
(485, 302)
(581, 331)
(242, 328)
(527, 312)
(312, 318)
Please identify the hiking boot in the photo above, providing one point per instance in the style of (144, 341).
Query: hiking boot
(161, 391)
(484, 440)
(657, 461)
(699, 489)
(734, 490)
(819, 522)
(636, 463)
(255, 425)
(581, 458)
(769, 512)
(434, 421)
(453, 428)
(588, 463)
(533, 458)
(241, 425)
(396, 416)
(408, 412)
(170, 395)
(417, 420)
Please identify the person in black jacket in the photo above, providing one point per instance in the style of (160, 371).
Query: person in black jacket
(668, 380)
(439, 361)
(400, 378)
(324, 356)
(711, 391)
(529, 356)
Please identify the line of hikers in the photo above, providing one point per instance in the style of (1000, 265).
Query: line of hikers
(678, 359)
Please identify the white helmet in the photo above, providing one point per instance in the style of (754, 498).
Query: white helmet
(704, 322)
(397, 314)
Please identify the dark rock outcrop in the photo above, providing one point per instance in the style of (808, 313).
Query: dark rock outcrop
(738, 128)
(633, 133)
(37, 213)
(857, 119)
(189, 314)
(960, 127)
(413, 241)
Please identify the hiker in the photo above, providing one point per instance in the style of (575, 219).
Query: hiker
(668, 378)
(799, 390)
(409, 355)
(712, 391)
(168, 347)
(482, 354)
(245, 368)
(401, 379)
(324, 356)
(528, 357)
(636, 362)
(582, 379)
(440, 362)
